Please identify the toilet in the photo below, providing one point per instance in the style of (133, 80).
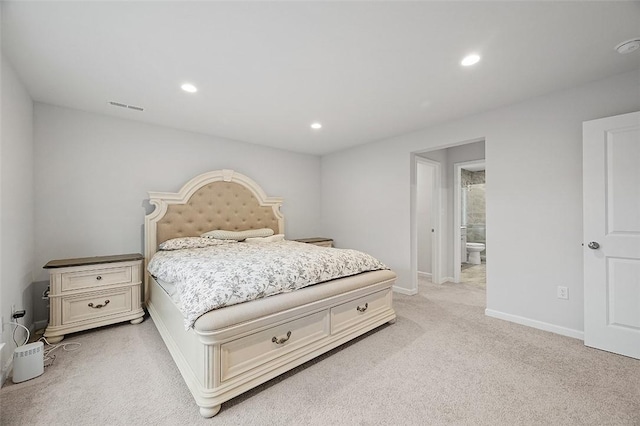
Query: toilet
(474, 250)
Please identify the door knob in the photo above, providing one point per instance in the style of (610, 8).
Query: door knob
(593, 245)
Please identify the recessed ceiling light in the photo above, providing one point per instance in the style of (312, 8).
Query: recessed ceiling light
(188, 87)
(316, 126)
(470, 60)
(628, 46)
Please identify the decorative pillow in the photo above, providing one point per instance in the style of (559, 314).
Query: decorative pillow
(271, 239)
(190, 242)
(221, 234)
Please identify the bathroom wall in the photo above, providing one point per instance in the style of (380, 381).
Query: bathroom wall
(473, 185)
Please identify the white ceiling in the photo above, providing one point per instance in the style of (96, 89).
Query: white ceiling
(267, 70)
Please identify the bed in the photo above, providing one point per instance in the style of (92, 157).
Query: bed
(230, 350)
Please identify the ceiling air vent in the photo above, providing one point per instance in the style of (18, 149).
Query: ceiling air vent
(121, 105)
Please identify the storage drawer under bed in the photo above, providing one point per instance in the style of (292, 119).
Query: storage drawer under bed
(347, 314)
(243, 354)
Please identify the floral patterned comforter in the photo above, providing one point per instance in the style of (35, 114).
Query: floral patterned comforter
(213, 277)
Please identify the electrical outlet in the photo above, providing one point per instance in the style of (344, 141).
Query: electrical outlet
(563, 292)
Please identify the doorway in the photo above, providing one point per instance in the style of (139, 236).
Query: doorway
(441, 219)
(469, 214)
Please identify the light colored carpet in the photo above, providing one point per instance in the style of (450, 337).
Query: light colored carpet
(443, 362)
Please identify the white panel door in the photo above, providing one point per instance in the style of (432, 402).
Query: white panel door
(611, 179)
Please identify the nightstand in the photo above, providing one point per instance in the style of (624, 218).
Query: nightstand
(91, 292)
(318, 241)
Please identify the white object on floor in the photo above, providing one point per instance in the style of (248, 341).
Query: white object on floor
(28, 362)
(474, 250)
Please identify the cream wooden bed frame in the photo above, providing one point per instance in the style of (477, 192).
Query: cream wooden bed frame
(236, 348)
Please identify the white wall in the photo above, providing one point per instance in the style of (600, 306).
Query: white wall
(93, 173)
(16, 206)
(534, 197)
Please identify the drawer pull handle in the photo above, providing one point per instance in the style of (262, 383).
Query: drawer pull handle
(98, 278)
(366, 305)
(106, 302)
(282, 340)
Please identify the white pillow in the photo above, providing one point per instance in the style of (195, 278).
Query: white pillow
(190, 242)
(271, 239)
(221, 234)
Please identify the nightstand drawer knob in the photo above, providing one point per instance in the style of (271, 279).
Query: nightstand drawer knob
(106, 302)
(98, 278)
(281, 340)
(366, 306)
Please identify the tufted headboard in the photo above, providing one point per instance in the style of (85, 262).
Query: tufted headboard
(222, 199)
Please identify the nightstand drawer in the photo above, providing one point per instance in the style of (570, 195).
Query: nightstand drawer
(96, 278)
(96, 305)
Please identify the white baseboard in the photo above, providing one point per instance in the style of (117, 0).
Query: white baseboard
(407, 291)
(576, 334)
(429, 276)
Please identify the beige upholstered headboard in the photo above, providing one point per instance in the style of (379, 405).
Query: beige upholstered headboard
(217, 205)
(222, 199)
